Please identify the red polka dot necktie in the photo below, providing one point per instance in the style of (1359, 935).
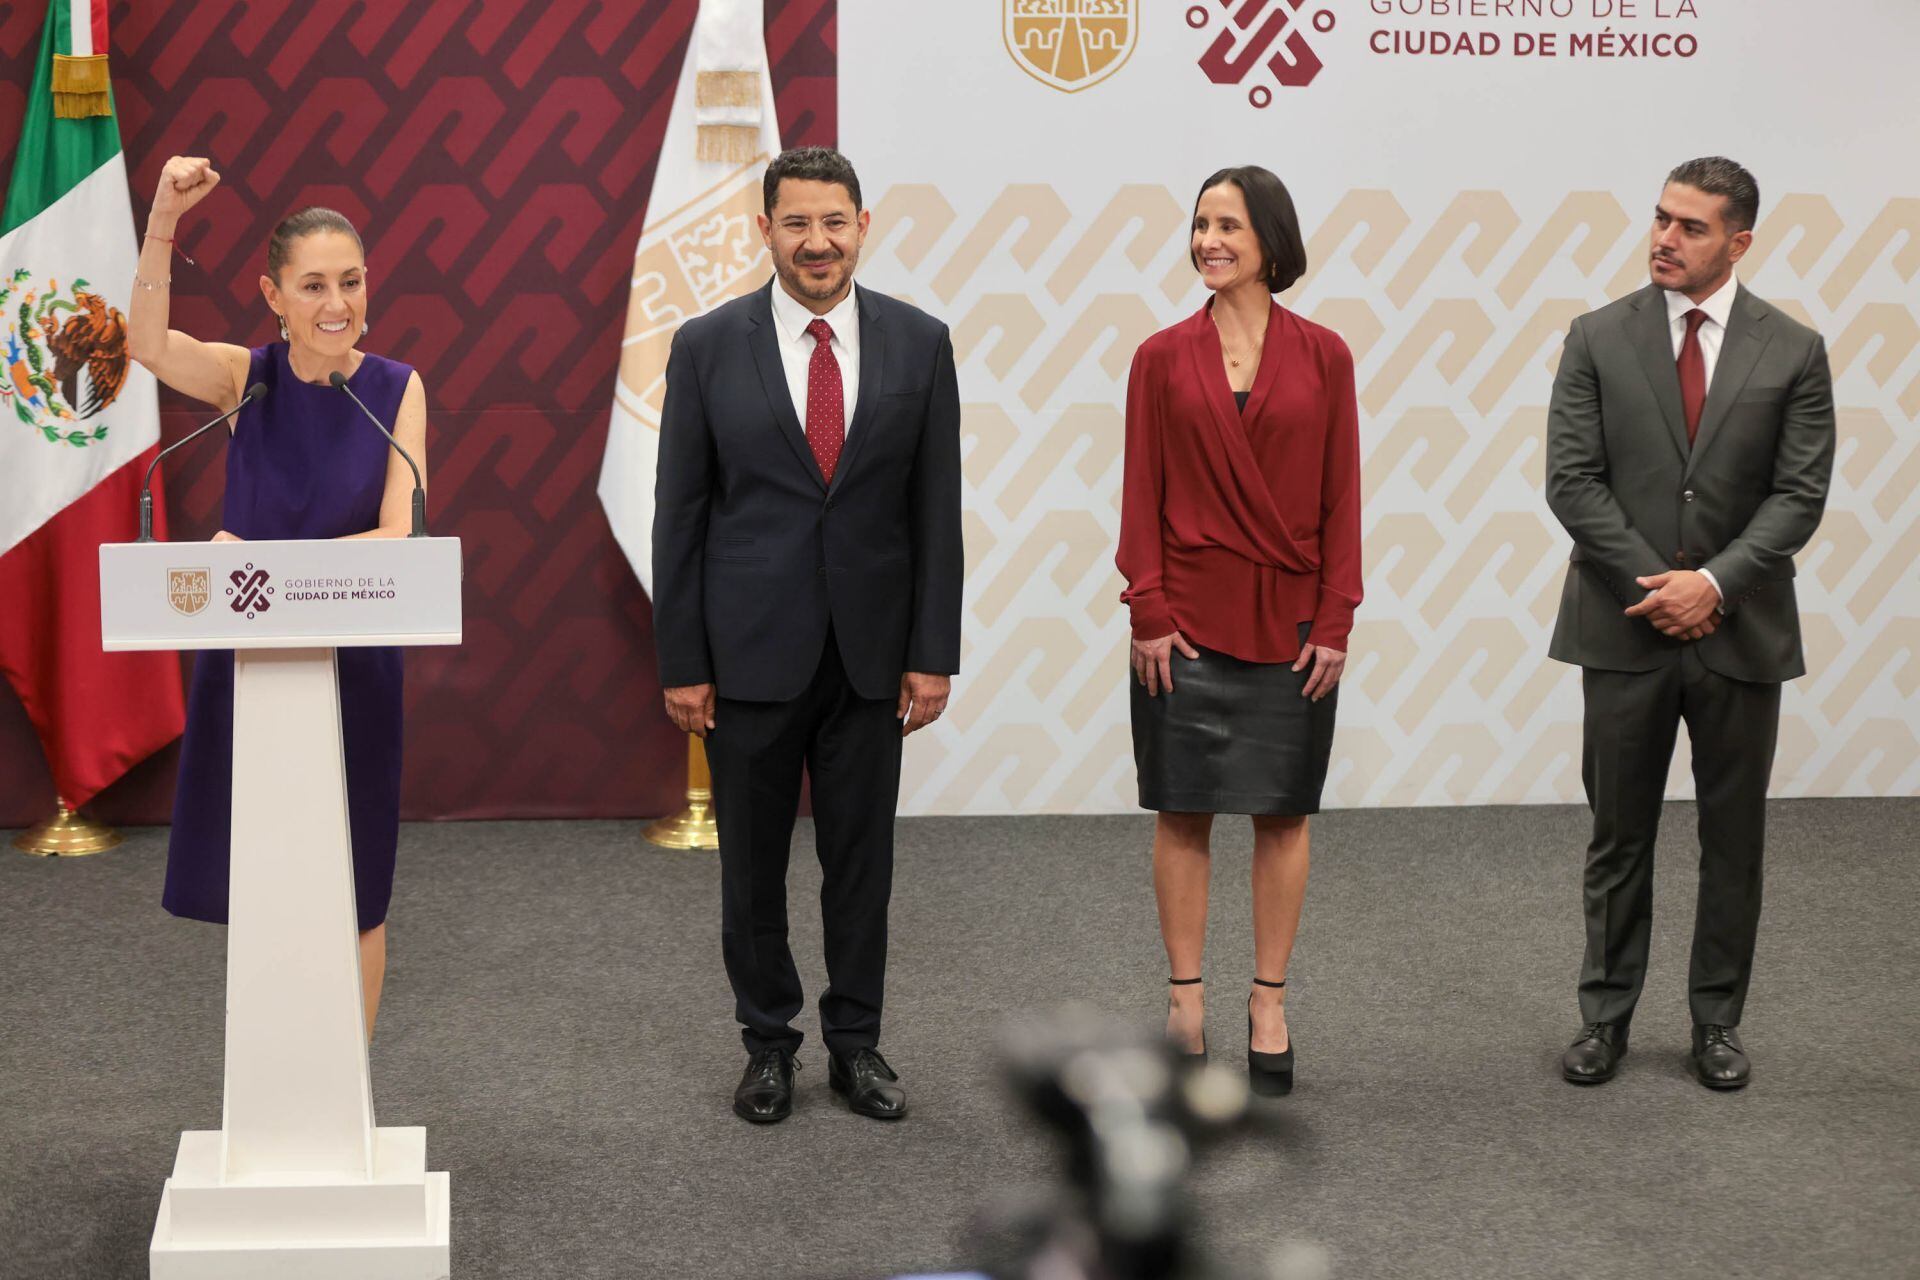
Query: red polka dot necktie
(1693, 373)
(826, 401)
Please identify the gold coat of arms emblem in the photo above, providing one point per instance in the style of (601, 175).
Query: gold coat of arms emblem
(1071, 44)
(188, 590)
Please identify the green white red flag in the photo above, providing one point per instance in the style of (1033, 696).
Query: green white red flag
(79, 420)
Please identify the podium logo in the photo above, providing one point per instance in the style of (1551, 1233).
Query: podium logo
(1261, 40)
(188, 590)
(250, 590)
(1071, 45)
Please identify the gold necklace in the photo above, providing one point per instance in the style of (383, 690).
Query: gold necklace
(1232, 360)
(1231, 357)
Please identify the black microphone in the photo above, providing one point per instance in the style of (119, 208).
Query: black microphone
(339, 380)
(258, 391)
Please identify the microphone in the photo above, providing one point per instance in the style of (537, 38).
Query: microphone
(258, 391)
(339, 380)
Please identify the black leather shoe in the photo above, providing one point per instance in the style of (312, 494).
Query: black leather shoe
(1595, 1053)
(869, 1085)
(765, 1093)
(1718, 1060)
(1270, 1075)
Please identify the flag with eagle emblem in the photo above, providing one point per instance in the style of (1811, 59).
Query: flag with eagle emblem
(79, 421)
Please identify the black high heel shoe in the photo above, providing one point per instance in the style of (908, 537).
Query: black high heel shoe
(1268, 1074)
(1196, 1059)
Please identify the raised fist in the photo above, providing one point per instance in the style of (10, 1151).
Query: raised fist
(184, 183)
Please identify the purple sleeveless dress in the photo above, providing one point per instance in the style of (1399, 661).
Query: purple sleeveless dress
(302, 463)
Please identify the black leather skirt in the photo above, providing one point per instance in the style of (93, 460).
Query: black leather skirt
(1232, 737)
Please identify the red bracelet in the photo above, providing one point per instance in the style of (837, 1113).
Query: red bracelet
(173, 247)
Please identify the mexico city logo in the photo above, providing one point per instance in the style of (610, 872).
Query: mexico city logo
(250, 590)
(1257, 35)
(188, 590)
(1070, 45)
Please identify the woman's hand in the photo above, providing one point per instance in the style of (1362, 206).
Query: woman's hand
(1328, 665)
(224, 536)
(184, 183)
(1153, 661)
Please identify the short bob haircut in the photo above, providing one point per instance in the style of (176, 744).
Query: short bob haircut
(1275, 224)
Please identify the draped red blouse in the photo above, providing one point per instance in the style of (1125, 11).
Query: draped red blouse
(1237, 527)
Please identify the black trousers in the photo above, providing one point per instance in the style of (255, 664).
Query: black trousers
(1631, 722)
(850, 749)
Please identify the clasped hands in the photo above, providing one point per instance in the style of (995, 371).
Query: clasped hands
(1680, 603)
(922, 698)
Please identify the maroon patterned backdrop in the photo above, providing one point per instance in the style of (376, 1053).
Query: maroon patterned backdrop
(496, 155)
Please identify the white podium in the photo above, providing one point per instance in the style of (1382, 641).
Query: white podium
(298, 1183)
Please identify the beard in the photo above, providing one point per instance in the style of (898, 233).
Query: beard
(1689, 278)
(819, 290)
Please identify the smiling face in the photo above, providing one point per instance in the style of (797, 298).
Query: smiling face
(1693, 250)
(321, 293)
(1224, 242)
(1225, 247)
(814, 234)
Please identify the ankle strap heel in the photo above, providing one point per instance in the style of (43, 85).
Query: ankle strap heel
(1200, 1058)
(1270, 1075)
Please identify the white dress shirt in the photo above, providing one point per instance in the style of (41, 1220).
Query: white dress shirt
(796, 347)
(1713, 332)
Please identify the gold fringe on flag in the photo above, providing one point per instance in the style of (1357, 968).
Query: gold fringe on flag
(80, 86)
(726, 89)
(727, 143)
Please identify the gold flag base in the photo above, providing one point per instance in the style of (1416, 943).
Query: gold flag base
(693, 827)
(66, 835)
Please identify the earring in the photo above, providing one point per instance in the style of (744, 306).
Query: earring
(364, 326)
(284, 335)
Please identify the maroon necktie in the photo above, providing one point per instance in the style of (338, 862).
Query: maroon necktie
(827, 402)
(1693, 373)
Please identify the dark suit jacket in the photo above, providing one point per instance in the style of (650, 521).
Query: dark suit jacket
(754, 555)
(1740, 503)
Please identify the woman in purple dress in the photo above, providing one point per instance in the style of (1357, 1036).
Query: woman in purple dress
(302, 463)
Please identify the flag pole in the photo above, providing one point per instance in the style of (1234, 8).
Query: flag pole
(693, 827)
(66, 835)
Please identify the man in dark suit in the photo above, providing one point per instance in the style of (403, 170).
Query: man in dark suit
(807, 569)
(1689, 447)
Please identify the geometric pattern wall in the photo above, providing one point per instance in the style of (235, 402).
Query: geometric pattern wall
(496, 158)
(1455, 312)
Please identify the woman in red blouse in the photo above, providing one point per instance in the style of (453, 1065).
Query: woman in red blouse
(1240, 544)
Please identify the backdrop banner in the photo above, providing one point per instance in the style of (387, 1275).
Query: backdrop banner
(1470, 174)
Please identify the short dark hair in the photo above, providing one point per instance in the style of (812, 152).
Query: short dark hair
(302, 223)
(809, 164)
(1719, 176)
(1270, 213)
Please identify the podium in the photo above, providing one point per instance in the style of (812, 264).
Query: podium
(298, 1183)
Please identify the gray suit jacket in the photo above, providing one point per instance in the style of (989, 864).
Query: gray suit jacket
(1637, 501)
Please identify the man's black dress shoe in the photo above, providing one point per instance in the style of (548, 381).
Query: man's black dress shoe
(765, 1095)
(1595, 1053)
(868, 1083)
(1718, 1060)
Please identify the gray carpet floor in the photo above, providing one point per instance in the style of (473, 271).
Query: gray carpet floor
(557, 1016)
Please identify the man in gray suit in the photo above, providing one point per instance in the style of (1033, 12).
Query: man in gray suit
(1689, 446)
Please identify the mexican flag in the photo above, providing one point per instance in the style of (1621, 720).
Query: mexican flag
(699, 245)
(79, 421)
